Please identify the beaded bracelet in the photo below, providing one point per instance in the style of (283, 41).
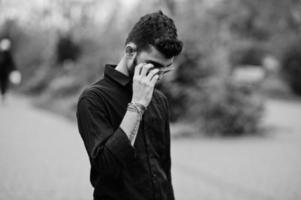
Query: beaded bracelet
(141, 108)
(136, 107)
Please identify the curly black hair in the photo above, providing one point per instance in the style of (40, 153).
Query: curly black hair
(158, 30)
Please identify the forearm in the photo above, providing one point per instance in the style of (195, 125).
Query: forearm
(144, 81)
(130, 125)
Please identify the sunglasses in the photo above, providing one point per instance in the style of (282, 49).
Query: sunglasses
(162, 70)
(165, 70)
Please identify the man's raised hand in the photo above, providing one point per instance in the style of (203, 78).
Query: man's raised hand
(144, 80)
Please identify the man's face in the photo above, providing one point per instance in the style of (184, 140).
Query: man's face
(153, 56)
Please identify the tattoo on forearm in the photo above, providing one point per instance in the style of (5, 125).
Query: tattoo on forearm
(135, 131)
(134, 108)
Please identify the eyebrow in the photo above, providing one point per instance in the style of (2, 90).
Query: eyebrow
(157, 64)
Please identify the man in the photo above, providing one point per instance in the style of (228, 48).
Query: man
(8, 70)
(123, 120)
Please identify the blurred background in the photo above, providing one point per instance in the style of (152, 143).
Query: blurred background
(234, 96)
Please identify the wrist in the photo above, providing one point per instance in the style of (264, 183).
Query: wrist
(137, 107)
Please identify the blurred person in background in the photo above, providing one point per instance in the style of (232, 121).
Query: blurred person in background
(124, 121)
(8, 70)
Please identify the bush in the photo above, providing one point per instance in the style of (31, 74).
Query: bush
(39, 81)
(250, 54)
(200, 95)
(67, 49)
(231, 110)
(291, 66)
(187, 74)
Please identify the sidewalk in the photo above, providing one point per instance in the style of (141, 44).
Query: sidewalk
(43, 157)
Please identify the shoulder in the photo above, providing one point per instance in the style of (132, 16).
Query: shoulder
(161, 97)
(92, 90)
(92, 93)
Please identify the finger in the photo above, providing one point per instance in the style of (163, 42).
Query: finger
(145, 69)
(152, 73)
(138, 69)
(154, 80)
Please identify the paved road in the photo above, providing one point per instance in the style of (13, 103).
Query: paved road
(42, 157)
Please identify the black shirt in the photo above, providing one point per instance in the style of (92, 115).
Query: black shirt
(120, 171)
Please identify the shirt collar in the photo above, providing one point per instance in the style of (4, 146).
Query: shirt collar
(112, 73)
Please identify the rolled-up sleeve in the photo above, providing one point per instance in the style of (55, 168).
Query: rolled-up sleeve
(109, 149)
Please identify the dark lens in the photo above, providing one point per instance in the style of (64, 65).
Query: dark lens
(156, 65)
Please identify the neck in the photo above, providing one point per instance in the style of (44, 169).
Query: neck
(121, 67)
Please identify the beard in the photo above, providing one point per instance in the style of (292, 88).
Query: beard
(132, 68)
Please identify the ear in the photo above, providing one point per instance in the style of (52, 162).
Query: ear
(130, 54)
(130, 50)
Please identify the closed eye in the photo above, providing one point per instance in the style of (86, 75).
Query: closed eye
(167, 69)
(156, 64)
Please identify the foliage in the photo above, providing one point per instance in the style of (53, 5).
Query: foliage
(247, 54)
(67, 49)
(191, 69)
(217, 36)
(291, 66)
(233, 110)
(201, 91)
(213, 102)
